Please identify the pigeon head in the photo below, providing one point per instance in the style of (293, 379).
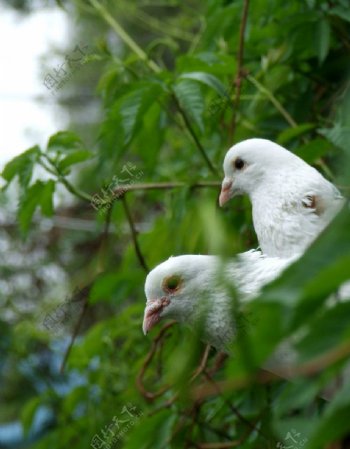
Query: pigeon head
(250, 164)
(174, 288)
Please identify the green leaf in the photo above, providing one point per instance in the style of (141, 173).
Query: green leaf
(208, 79)
(22, 166)
(126, 115)
(339, 135)
(313, 150)
(343, 13)
(134, 105)
(46, 198)
(74, 158)
(322, 39)
(335, 421)
(303, 287)
(153, 432)
(28, 412)
(103, 287)
(291, 133)
(39, 194)
(191, 100)
(64, 141)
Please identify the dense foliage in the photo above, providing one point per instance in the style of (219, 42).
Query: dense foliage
(179, 82)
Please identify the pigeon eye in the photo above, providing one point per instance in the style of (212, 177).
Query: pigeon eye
(239, 163)
(172, 283)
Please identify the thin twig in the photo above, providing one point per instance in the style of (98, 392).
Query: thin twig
(134, 235)
(128, 40)
(232, 407)
(74, 335)
(308, 369)
(239, 74)
(139, 381)
(194, 136)
(202, 364)
(289, 119)
(199, 370)
(118, 192)
(57, 172)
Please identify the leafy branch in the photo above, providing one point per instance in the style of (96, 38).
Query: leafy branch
(135, 48)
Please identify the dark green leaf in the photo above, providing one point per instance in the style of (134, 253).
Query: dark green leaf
(191, 100)
(208, 79)
(323, 36)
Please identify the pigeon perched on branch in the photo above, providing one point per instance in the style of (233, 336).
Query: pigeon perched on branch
(292, 202)
(198, 290)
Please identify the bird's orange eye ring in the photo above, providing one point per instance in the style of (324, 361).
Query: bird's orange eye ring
(172, 284)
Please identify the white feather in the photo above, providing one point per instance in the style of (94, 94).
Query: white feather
(280, 186)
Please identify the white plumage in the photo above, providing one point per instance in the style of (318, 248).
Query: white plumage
(195, 288)
(292, 202)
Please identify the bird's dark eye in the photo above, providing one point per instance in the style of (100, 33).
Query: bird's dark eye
(239, 163)
(172, 283)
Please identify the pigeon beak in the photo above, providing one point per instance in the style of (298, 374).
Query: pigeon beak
(226, 192)
(153, 310)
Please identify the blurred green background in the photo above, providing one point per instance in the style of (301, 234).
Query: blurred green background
(156, 92)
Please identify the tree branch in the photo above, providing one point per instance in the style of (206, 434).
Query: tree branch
(75, 332)
(118, 192)
(194, 136)
(134, 235)
(139, 381)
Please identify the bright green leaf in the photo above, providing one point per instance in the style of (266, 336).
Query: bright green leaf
(28, 412)
(74, 158)
(39, 194)
(22, 166)
(208, 79)
(291, 133)
(64, 141)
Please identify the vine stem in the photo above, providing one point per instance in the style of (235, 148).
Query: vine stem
(289, 119)
(128, 40)
(55, 171)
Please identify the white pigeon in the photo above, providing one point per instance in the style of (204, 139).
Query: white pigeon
(197, 290)
(292, 202)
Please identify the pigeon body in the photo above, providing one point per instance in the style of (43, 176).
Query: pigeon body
(195, 288)
(292, 202)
